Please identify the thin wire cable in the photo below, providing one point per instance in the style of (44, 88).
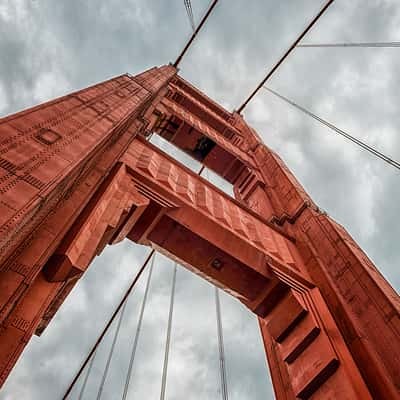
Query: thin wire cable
(138, 329)
(110, 321)
(168, 340)
(191, 15)
(370, 44)
(189, 12)
(110, 354)
(361, 144)
(89, 370)
(222, 368)
(282, 59)
(190, 41)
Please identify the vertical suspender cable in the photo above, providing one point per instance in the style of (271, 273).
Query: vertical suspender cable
(110, 321)
(190, 41)
(222, 368)
(169, 326)
(137, 334)
(91, 354)
(107, 366)
(82, 392)
(168, 341)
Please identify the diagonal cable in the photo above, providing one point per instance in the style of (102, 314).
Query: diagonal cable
(100, 338)
(339, 131)
(287, 53)
(107, 327)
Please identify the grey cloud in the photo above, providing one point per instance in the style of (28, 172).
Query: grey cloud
(49, 48)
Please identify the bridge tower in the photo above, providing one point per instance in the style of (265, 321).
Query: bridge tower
(77, 173)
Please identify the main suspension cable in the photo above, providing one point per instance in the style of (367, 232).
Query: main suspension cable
(339, 131)
(282, 59)
(190, 41)
(138, 329)
(168, 340)
(222, 368)
(110, 321)
(368, 44)
(115, 338)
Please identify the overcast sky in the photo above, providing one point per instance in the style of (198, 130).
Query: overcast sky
(49, 48)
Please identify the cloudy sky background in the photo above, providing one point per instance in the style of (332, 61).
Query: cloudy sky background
(49, 48)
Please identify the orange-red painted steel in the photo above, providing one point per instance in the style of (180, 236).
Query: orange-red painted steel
(77, 174)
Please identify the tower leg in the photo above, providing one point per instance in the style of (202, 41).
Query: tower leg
(306, 352)
(21, 323)
(54, 158)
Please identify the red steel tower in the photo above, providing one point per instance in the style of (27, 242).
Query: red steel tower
(77, 173)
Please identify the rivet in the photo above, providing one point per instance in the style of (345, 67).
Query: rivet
(216, 263)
